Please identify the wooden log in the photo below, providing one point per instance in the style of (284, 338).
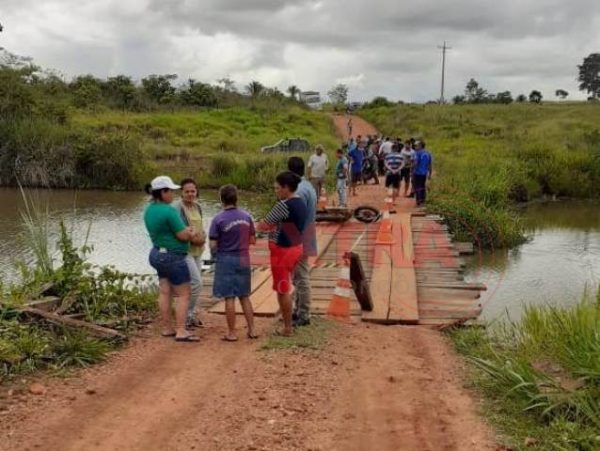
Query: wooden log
(360, 283)
(47, 303)
(92, 329)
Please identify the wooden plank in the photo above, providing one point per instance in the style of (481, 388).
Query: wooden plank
(381, 288)
(360, 283)
(403, 291)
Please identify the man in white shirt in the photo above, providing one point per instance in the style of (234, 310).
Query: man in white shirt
(386, 148)
(317, 167)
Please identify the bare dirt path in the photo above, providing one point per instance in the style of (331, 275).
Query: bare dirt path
(372, 387)
(359, 126)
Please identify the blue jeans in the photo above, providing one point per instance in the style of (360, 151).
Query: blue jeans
(340, 186)
(171, 266)
(420, 186)
(194, 265)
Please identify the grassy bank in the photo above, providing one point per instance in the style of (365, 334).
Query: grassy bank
(98, 295)
(540, 379)
(486, 157)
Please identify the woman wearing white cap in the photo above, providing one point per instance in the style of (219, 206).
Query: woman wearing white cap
(171, 242)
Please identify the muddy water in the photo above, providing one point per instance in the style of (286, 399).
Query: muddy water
(116, 230)
(559, 262)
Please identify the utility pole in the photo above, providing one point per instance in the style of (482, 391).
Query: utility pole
(444, 48)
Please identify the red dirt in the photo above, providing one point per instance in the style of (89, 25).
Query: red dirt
(372, 387)
(359, 126)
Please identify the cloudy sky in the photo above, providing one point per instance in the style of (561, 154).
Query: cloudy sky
(376, 47)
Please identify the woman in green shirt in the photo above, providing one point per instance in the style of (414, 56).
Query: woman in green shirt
(171, 242)
(191, 213)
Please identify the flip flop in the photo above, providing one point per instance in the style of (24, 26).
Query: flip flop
(168, 334)
(252, 336)
(230, 339)
(188, 339)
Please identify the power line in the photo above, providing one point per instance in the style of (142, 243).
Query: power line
(444, 48)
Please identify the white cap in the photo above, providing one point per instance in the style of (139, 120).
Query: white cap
(162, 182)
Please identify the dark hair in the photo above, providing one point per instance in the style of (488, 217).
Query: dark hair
(339, 151)
(228, 195)
(192, 181)
(422, 144)
(155, 193)
(296, 165)
(289, 179)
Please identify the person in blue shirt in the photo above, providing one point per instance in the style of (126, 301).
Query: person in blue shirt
(356, 156)
(422, 171)
(301, 277)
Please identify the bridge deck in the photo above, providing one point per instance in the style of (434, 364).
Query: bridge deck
(415, 280)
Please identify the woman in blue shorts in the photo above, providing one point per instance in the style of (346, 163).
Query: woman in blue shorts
(171, 242)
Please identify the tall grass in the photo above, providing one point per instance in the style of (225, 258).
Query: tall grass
(543, 372)
(486, 157)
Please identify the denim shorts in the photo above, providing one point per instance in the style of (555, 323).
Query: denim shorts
(232, 276)
(171, 266)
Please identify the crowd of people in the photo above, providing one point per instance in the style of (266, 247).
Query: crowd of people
(178, 237)
(407, 163)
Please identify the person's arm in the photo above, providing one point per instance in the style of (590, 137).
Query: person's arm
(252, 231)
(309, 166)
(278, 213)
(178, 227)
(213, 235)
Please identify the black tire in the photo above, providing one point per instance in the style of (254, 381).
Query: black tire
(366, 214)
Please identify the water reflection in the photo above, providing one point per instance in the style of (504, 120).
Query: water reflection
(558, 263)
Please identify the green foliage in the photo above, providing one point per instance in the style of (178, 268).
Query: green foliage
(589, 75)
(313, 337)
(198, 94)
(159, 88)
(74, 348)
(542, 374)
(338, 94)
(535, 96)
(486, 157)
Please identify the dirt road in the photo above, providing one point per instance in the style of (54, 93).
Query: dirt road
(371, 388)
(359, 126)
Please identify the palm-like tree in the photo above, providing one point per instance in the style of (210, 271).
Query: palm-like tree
(255, 88)
(293, 91)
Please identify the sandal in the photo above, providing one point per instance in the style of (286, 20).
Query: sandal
(188, 339)
(230, 339)
(168, 334)
(252, 336)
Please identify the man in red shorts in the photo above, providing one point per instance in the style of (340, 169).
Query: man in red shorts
(285, 224)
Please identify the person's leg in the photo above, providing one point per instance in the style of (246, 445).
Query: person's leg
(196, 288)
(341, 189)
(182, 293)
(302, 294)
(249, 315)
(164, 306)
(315, 183)
(419, 188)
(230, 315)
(320, 181)
(285, 305)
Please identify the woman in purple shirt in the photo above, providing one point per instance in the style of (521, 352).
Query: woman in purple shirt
(231, 234)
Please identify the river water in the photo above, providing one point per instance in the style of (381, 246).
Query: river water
(559, 262)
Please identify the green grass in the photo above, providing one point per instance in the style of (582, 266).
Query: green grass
(540, 378)
(313, 337)
(486, 157)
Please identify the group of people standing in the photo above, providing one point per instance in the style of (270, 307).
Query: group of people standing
(366, 158)
(178, 239)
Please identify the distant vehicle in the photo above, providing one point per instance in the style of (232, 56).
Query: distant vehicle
(311, 98)
(288, 145)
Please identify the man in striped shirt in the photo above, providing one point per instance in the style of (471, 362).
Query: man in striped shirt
(393, 165)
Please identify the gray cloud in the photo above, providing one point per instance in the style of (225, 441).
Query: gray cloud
(378, 47)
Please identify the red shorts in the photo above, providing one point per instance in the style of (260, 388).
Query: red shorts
(283, 263)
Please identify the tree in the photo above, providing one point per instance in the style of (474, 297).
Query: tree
(521, 98)
(255, 88)
(293, 91)
(457, 100)
(198, 94)
(504, 97)
(561, 93)
(120, 90)
(474, 93)
(338, 94)
(87, 91)
(159, 87)
(589, 75)
(379, 101)
(227, 84)
(535, 96)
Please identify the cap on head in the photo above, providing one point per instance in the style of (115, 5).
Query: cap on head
(163, 182)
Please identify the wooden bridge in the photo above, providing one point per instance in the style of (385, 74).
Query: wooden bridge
(415, 276)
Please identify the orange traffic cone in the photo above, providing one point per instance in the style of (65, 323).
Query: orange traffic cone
(339, 306)
(384, 235)
(322, 204)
